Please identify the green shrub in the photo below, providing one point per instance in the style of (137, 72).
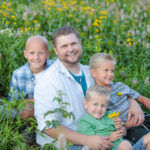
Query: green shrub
(11, 123)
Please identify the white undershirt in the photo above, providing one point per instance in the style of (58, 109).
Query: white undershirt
(38, 75)
(79, 74)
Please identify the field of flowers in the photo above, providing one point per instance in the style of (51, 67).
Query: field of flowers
(118, 27)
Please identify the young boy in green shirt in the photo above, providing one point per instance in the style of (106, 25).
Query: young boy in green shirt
(98, 121)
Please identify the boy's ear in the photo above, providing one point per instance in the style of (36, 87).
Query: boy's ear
(55, 50)
(92, 71)
(25, 54)
(85, 104)
(48, 54)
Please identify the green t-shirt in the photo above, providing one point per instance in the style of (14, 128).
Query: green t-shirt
(91, 126)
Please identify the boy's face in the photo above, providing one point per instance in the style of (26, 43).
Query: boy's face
(104, 73)
(36, 53)
(96, 106)
(68, 49)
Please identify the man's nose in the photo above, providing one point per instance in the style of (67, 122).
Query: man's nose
(70, 48)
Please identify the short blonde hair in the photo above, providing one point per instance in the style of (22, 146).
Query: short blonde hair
(98, 58)
(97, 90)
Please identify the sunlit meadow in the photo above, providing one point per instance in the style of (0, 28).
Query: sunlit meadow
(118, 27)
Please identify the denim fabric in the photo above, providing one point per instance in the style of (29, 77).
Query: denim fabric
(75, 147)
(139, 145)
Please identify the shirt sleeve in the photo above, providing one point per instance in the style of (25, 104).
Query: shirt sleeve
(128, 91)
(44, 94)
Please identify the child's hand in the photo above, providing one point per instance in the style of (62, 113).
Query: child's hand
(118, 123)
(116, 135)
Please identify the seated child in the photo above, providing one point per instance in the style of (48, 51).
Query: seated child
(102, 68)
(24, 78)
(98, 121)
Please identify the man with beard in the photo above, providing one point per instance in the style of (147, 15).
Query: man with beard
(73, 79)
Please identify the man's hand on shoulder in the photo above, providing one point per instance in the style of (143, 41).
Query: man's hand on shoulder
(135, 114)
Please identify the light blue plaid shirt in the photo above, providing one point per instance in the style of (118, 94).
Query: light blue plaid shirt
(121, 102)
(23, 82)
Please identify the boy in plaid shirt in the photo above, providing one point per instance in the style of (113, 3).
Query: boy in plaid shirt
(24, 78)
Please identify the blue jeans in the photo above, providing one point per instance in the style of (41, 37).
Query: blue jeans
(139, 145)
(75, 147)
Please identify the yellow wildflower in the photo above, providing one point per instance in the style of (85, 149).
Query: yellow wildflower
(95, 24)
(128, 40)
(102, 17)
(9, 4)
(96, 20)
(3, 7)
(35, 21)
(100, 21)
(87, 8)
(36, 29)
(117, 114)
(51, 3)
(13, 17)
(14, 23)
(96, 30)
(42, 2)
(119, 93)
(59, 9)
(110, 116)
(128, 34)
(113, 115)
(21, 29)
(71, 15)
(103, 12)
(130, 43)
(27, 29)
(7, 22)
(115, 21)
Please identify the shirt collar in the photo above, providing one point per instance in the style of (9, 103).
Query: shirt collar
(47, 64)
(29, 72)
(61, 68)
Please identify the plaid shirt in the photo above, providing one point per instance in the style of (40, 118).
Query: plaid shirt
(119, 99)
(23, 82)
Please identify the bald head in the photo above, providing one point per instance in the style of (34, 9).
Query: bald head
(37, 39)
